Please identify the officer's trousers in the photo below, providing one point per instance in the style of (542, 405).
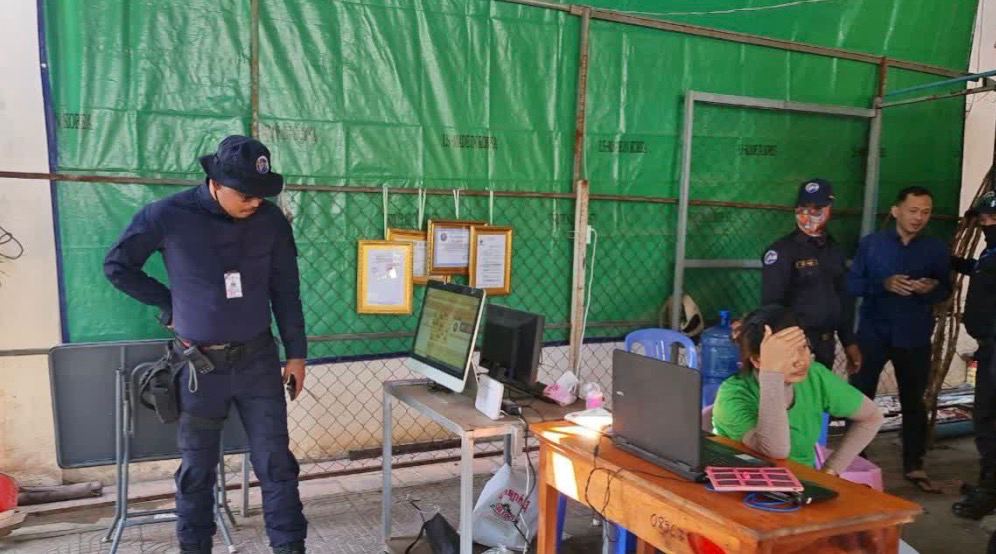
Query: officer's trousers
(984, 411)
(912, 368)
(255, 386)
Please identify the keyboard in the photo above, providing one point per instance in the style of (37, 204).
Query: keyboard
(715, 454)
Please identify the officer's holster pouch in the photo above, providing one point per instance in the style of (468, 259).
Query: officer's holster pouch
(157, 386)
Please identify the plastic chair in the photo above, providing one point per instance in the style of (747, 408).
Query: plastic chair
(657, 343)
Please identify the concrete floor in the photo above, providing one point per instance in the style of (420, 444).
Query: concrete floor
(349, 522)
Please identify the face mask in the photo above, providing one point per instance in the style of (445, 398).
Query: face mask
(989, 231)
(812, 221)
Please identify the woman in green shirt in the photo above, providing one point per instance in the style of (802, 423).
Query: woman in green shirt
(775, 404)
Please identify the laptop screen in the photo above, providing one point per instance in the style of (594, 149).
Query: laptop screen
(656, 406)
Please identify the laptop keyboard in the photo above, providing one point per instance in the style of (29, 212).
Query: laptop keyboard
(718, 455)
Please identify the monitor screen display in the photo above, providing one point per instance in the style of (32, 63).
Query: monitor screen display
(447, 327)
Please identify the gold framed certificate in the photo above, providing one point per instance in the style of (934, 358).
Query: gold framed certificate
(384, 277)
(449, 246)
(420, 246)
(491, 259)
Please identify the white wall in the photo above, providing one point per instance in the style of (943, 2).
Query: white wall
(29, 306)
(980, 119)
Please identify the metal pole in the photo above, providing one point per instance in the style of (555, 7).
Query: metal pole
(582, 95)
(870, 204)
(686, 174)
(254, 65)
(386, 461)
(962, 79)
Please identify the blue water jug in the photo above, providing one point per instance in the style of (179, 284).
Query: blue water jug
(720, 357)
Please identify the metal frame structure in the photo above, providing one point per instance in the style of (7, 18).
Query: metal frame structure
(691, 97)
(124, 427)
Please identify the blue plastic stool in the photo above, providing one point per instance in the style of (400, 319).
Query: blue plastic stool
(657, 344)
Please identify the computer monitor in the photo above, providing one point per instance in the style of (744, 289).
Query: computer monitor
(513, 342)
(447, 330)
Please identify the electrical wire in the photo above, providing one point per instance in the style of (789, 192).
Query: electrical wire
(6, 237)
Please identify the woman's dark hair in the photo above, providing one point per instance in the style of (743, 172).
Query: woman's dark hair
(751, 331)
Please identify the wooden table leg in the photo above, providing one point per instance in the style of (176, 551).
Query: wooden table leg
(546, 541)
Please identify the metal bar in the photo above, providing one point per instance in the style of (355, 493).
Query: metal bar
(245, 485)
(578, 276)
(685, 187)
(24, 352)
(872, 165)
(917, 100)
(582, 96)
(723, 264)
(961, 79)
(466, 493)
(254, 65)
(386, 461)
(783, 105)
(742, 38)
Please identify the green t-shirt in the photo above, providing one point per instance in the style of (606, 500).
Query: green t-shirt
(736, 407)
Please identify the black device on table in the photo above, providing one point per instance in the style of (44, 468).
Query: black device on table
(657, 415)
(513, 344)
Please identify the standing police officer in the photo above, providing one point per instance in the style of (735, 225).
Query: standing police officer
(980, 322)
(230, 258)
(804, 271)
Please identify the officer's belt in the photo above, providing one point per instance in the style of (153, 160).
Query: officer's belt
(229, 352)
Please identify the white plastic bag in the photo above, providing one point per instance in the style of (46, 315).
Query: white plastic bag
(497, 511)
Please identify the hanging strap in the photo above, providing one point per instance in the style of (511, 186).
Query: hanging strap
(386, 208)
(456, 202)
(421, 207)
(491, 206)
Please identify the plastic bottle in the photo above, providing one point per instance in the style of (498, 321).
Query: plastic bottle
(720, 357)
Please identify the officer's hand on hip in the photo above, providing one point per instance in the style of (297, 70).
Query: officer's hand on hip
(854, 359)
(295, 367)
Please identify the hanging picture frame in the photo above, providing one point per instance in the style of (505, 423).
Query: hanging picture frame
(420, 249)
(449, 246)
(491, 259)
(384, 277)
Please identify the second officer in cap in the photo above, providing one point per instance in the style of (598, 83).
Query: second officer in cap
(805, 271)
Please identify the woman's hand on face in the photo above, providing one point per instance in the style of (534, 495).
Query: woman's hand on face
(781, 352)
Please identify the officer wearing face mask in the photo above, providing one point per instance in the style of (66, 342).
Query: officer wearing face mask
(804, 271)
(980, 322)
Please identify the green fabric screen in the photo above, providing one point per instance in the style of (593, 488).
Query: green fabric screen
(477, 95)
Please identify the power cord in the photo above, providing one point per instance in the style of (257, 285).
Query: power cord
(6, 237)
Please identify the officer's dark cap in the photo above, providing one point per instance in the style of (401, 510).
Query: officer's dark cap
(986, 204)
(816, 192)
(243, 163)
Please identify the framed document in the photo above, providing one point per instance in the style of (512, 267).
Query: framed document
(449, 246)
(420, 264)
(384, 277)
(491, 259)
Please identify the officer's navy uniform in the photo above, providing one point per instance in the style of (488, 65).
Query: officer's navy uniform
(980, 322)
(203, 248)
(808, 275)
(899, 328)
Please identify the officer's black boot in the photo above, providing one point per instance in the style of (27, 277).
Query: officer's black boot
(979, 501)
(292, 548)
(204, 547)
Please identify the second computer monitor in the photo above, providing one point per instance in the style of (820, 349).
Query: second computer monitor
(513, 342)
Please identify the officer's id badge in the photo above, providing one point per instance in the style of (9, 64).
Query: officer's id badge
(770, 257)
(233, 285)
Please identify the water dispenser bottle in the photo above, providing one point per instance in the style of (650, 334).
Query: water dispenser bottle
(720, 356)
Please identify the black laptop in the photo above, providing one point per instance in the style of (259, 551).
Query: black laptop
(657, 415)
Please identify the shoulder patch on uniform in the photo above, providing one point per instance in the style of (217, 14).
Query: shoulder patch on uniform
(770, 257)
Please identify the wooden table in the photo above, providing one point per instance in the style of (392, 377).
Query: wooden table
(677, 516)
